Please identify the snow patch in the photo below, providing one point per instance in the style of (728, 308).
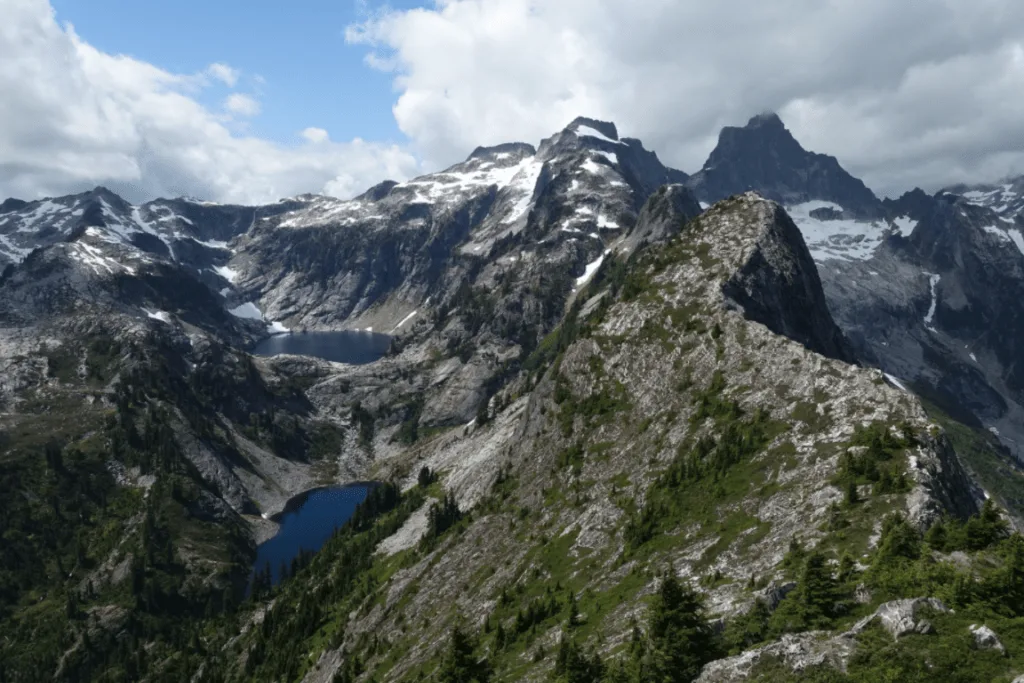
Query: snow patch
(896, 382)
(213, 244)
(404, 321)
(993, 230)
(276, 327)
(247, 310)
(590, 269)
(588, 132)
(604, 222)
(841, 239)
(229, 274)
(904, 225)
(610, 156)
(933, 281)
(162, 316)
(1018, 239)
(524, 183)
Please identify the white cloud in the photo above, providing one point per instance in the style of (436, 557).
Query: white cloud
(223, 73)
(903, 93)
(315, 135)
(242, 105)
(72, 117)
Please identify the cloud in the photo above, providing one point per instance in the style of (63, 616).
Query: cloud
(921, 93)
(223, 73)
(242, 105)
(315, 135)
(72, 117)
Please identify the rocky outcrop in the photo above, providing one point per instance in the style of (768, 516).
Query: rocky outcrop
(808, 650)
(663, 215)
(903, 617)
(778, 286)
(986, 639)
(796, 652)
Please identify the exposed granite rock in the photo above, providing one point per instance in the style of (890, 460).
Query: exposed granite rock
(805, 650)
(778, 286)
(902, 617)
(796, 651)
(986, 639)
(663, 215)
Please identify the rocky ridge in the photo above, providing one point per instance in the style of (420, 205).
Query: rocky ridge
(656, 358)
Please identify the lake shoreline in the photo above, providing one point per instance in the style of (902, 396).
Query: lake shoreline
(349, 346)
(305, 522)
(296, 501)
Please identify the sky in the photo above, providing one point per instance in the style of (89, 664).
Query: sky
(252, 101)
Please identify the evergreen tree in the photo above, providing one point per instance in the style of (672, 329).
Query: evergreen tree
(680, 640)
(426, 477)
(817, 591)
(460, 664)
(986, 528)
(573, 665)
(899, 541)
(1010, 581)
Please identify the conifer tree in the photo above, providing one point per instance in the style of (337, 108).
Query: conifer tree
(460, 664)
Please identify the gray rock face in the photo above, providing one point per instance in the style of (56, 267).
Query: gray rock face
(902, 617)
(779, 287)
(925, 287)
(663, 215)
(799, 652)
(938, 305)
(986, 639)
(764, 156)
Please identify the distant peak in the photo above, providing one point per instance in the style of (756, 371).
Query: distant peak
(519, 150)
(378, 191)
(107, 195)
(12, 204)
(765, 119)
(605, 128)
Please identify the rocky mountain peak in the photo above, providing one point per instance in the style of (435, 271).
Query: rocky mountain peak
(583, 125)
(12, 204)
(771, 276)
(914, 204)
(583, 133)
(765, 157)
(515, 150)
(664, 214)
(767, 119)
(377, 192)
(107, 195)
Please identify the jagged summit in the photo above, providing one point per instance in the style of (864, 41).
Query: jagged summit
(776, 282)
(519, 150)
(12, 204)
(915, 204)
(377, 192)
(583, 125)
(764, 156)
(767, 119)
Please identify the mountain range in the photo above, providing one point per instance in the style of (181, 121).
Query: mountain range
(619, 373)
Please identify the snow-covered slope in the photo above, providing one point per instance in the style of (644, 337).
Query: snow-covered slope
(1005, 199)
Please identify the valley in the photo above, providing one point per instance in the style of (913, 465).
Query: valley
(598, 394)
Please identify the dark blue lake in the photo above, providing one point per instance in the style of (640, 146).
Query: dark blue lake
(307, 523)
(357, 348)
